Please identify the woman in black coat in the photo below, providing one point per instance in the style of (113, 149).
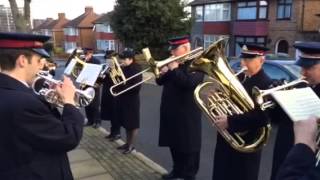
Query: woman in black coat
(107, 103)
(128, 103)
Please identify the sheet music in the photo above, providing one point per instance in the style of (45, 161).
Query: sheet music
(89, 74)
(299, 104)
(70, 66)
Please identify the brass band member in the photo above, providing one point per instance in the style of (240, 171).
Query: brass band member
(229, 164)
(93, 109)
(300, 161)
(180, 118)
(128, 104)
(35, 137)
(107, 104)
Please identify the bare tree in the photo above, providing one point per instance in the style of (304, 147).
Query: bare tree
(21, 19)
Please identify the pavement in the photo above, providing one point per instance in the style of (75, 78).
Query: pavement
(97, 158)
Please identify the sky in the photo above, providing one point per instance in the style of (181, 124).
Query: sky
(41, 9)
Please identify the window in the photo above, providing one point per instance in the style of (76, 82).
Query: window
(105, 45)
(283, 47)
(217, 12)
(252, 10)
(256, 40)
(275, 72)
(103, 28)
(209, 39)
(71, 31)
(199, 14)
(284, 9)
(70, 45)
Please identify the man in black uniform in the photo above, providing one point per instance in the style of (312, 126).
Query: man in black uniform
(34, 137)
(300, 161)
(93, 109)
(180, 118)
(230, 164)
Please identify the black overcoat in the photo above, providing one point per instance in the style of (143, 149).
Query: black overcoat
(34, 138)
(127, 111)
(107, 100)
(180, 118)
(230, 164)
(299, 165)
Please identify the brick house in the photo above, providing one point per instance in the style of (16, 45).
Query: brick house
(54, 28)
(291, 21)
(254, 21)
(42, 28)
(79, 31)
(105, 38)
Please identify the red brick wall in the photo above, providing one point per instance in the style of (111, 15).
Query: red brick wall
(250, 28)
(216, 28)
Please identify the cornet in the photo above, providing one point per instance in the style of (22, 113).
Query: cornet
(261, 95)
(44, 86)
(155, 66)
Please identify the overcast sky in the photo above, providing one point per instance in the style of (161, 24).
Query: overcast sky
(41, 9)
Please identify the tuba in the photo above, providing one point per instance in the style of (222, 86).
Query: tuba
(225, 95)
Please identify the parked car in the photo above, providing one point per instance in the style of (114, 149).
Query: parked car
(276, 69)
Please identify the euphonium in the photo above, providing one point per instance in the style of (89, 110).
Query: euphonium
(44, 86)
(225, 95)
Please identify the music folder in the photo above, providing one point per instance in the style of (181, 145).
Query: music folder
(89, 74)
(299, 104)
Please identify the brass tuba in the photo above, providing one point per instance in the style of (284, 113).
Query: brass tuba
(225, 95)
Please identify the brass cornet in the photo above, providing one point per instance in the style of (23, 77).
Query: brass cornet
(262, 99)
(155, 66)
(44, 86)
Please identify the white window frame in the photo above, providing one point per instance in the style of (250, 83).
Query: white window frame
(199, 13)
(215, 12)
(208, 39)
(106, 44)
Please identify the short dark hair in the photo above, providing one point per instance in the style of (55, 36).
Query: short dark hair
(8, 57)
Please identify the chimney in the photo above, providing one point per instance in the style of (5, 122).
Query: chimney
(61, 15)
(88, 9)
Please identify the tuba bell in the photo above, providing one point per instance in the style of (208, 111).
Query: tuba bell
(225, 95)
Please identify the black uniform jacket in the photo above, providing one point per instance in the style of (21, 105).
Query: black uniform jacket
(34, 138)
(107, 100)
(299, 165)
(255, 118)
(180, 118)
(128, 103)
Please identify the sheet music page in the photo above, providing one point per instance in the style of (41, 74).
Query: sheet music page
(299, 104)
(89, 74)
(70, 66)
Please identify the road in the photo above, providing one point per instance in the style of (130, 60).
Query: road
(147, 141)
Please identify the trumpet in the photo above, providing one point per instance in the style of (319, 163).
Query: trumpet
(260, 95)
(155, 67)
(44, 85)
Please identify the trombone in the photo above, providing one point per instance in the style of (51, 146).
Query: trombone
(155, 66)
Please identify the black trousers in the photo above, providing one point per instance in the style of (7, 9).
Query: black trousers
(93, 109)
(230, 164)
(185, 164)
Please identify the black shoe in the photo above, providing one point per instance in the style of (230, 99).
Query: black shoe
(115, 137)
(96, 125)
(123, 147)
(128, 150)
(109, 136)
(171, 175)
(89, 124)
(189, 178)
